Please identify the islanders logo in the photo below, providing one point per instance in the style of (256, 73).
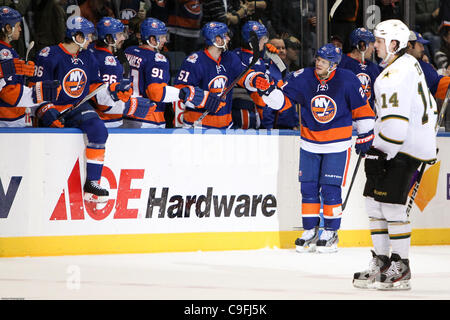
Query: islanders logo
(74, 82)
(323, 108)
(218, 84)
(193, 7)
(365, 83)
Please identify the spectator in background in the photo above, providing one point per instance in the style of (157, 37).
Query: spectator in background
(427, 22)
(234, 13)
(296, 18)
(134, 33)
(442, 56)
(49, 24)
(94, 10)
(184, 25)
(278, 43)
(344, 17)
(390, 9)
(337, 41)
(293, 46)
(125, 10)
(159, 10)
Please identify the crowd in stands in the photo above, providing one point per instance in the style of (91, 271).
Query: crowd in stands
(291, 24)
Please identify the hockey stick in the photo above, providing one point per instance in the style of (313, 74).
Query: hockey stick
(30, 46)
(423, 165)
(355, 172)
(255, 46)
(86, 98)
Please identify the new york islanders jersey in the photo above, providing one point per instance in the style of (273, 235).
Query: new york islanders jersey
(14, 96)
(184, 18)
(242, 98)
(366, 72)
(202, 70)
(406, 111)
(328, 108)
(111, 71)
(78, 74)
(437, 83)
(150, 73)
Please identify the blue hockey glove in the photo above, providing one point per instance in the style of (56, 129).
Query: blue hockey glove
(47, 90)
(138, 108)
(364, 142)
(48, 116)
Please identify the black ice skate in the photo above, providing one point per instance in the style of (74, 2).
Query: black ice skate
(366, 279)
(94, 192)
(397, 276)
(307, 242)
(328, 241)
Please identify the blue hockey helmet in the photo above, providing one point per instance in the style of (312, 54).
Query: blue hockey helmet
(152, 27)
(361, 34)
(255, 26)
(108, 25)
(213, 29)
(77, 24)
(331, 53)
(9, 16)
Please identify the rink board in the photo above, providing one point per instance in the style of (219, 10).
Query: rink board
(175, 190)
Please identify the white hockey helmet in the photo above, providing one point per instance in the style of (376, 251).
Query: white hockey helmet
(392, 29)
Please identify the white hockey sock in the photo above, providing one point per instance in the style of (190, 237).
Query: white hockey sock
(400, 237)
(378, 227)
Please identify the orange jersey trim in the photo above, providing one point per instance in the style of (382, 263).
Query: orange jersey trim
(310, 208)
(95, 154)
(11, 113)
(183, 22)
(442, 88)
(155, 91)
(327, 135)
(214, 121)
(364, 111)
(11, 94)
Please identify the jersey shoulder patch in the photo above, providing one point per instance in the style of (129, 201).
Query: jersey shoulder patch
(192, 58)
(44, 52)
(160, 57)
(6, 54)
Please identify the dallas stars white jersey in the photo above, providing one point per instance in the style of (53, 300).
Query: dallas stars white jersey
(406, 111)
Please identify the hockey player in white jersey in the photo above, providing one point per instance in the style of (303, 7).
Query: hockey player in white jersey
(404, 138)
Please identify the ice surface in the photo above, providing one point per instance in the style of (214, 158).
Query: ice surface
(266, 274)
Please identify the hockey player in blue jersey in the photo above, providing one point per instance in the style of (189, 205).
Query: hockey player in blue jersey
(150, 73)
(331, 100)
(358, 60)
(247, 108)
(76, 68)
(17, 101)
(213, 69)
(438, 84)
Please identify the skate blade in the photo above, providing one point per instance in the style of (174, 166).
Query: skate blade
(399, 285)
(93, 198)
(331, 249)
(364, 284)
(300, 249)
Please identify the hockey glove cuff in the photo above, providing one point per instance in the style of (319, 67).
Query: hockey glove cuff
(139, 108)
(364, 142)
(47, 90)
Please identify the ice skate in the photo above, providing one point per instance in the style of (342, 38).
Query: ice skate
(307, 242)
(366, 279)
(328, 241)
(93, 192)
(397, 276)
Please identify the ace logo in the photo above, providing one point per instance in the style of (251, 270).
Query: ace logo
(77, 207)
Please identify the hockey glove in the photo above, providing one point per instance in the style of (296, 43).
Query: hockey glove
(375, 162)
(24, 68)
(138, 108)
(121, 90)
(194, 95)
(47, 90)
(214, 103)
(271, 48)
(364, 142)
(262, 84)
(48, 116)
